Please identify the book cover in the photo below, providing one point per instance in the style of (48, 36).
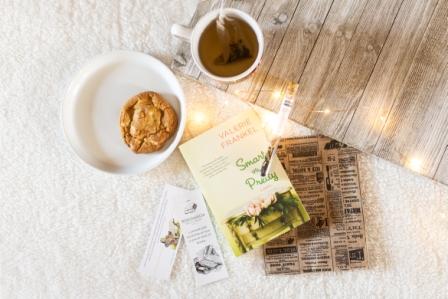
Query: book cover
(250, 209)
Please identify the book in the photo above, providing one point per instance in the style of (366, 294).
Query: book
(226, 163)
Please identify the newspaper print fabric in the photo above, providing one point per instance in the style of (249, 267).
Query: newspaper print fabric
(325, 174)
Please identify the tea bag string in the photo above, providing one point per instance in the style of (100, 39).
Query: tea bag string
(231, 37)
(223, 35)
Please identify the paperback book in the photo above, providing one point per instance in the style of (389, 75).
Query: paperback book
(226, 162)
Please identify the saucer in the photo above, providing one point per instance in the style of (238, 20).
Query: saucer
(92, 105)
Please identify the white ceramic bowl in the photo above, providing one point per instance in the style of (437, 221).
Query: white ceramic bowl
(91, 109)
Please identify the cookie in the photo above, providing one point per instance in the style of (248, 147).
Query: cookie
(147, 121)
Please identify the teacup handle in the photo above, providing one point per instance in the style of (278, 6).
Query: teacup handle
(181, 32)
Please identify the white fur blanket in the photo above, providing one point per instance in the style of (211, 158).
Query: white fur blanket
(68, 231)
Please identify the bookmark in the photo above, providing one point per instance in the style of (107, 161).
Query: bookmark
(200, 238)
(163, 243)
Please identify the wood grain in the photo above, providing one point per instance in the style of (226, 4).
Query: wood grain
(417, 126)
(323, 67)
(442, 171)
(295, 49)
(342, 91)
(274, 20)
(389, 74)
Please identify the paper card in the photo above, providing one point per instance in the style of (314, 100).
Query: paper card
(200, 238)
(164, 240)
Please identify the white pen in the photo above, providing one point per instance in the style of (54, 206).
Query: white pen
(282, 119)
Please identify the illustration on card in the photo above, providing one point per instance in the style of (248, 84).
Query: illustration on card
(171, 239)
(207, 260)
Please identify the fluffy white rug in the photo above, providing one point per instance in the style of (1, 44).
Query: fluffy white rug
(68, 231)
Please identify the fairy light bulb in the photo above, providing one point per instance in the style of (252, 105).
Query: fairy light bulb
(326, 111)
(415, 164)
(276, 94)
(199, 117)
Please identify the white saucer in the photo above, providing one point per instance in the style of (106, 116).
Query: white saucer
(91, 109)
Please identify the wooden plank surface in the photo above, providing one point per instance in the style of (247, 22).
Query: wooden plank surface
(323, 67)
(372, 73)
(417, 126)
(390, 71)
(442, 171)
(341, 90)
(296, 47)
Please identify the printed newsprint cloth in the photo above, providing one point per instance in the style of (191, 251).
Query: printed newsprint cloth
(324, 173)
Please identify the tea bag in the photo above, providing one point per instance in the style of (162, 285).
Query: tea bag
(232, 40)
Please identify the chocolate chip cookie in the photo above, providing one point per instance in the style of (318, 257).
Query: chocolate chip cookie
(147, 121)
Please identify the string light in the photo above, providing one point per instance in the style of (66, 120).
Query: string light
(199, 117)
(326, 111)
(199, 121)
(241, 93)
(270, 121)
(277, 94)
(415, 164)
